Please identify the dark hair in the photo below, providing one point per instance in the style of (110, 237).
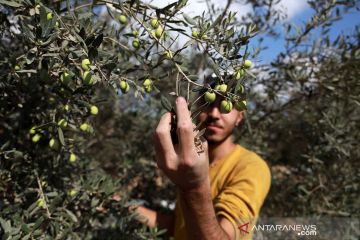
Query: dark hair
(211, 80)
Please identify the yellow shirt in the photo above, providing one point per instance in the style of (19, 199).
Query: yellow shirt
(239, 184)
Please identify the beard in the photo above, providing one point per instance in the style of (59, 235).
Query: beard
(214, 141)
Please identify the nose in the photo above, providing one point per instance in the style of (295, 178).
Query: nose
(214, 111)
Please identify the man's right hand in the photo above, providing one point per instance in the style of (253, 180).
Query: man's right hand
(182, 164)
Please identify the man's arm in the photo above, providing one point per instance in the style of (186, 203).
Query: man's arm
(188, 169)
(152, 218)
(198, 212)
(200, 219)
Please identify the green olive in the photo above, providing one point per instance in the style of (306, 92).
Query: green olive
(240, 89)
(88, 78)
(147, 82)
(136, 43)
(122, 19)
(36, 138)
(159, 31)
(148, 89)
(32, 130)
(54, 144)
(85, 64)
(94, 110)
(221, 87)
(147, 85)
(240, 106)
(154, 23)
(247, 63)
(226, 106)
(40, 202)
(135, 33)
(49, 16)
(72, 192)
(167, 54)
(124, 86)
(85, 127)
(72, 157)
(65, 78)
(67, 107)
(239, 73)
(195, 34)
(62, 123)
(210, 97)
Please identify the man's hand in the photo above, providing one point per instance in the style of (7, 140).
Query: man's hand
(183, 164)
(188, 168)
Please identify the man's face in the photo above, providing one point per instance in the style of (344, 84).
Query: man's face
(219, 126)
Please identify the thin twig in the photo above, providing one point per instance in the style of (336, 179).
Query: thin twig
(248, 122)
(188, 92)
(221, 17)
(177, 84)
(198, 111)
(198, 98)
(42, 195)
(118, 43)
(166, 49)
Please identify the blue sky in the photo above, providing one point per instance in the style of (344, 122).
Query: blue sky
(298, 11)
(345, 25)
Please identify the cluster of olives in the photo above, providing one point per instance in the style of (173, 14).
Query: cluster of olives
(226, 105)
(157, 33)
(37, 133)
(196, 34)
(50, 16)
(154, 23)
(87, 77)
(147, 84)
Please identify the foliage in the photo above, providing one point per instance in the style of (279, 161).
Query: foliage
(305, 118)
(64, 64)
(303, 115)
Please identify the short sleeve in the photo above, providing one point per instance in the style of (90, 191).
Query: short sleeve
(245, 190)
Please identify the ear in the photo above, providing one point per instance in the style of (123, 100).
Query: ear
(240, 116)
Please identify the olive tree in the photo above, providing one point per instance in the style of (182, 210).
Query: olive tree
(63, 66)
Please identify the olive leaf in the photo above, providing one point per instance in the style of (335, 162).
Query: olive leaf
(98, 40)
(200, 133)
(11, 3)
(189, 19)
(166, 104)
(61, 136)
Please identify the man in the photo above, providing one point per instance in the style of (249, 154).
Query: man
(219, 188)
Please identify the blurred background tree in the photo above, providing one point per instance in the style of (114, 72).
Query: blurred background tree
(303, 111)
(305, 117)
